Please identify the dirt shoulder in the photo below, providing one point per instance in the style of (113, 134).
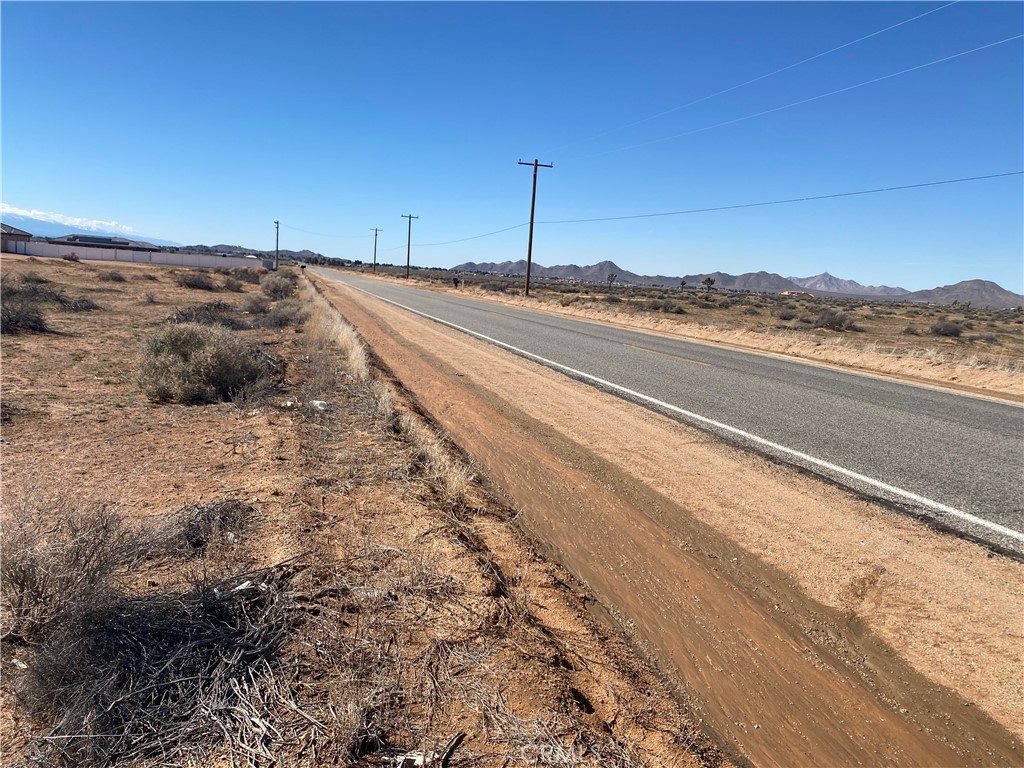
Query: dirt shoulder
(943, 364)
(412, 614)
(805, 625)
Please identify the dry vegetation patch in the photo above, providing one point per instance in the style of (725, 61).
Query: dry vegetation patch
(308, 576)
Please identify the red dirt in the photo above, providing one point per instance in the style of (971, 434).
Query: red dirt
(779, 677)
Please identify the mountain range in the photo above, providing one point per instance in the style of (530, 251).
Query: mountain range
(826, 282)
(41, 228)
(981, 293)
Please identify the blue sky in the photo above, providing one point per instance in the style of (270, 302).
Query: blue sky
(205, 122)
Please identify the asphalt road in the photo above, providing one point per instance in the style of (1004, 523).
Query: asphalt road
(956, 459)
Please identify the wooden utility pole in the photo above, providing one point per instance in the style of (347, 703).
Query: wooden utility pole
(375, 231)
(533, 205)
(277, 244)
(408, 243)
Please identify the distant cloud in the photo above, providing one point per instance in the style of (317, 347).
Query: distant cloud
(76, 222)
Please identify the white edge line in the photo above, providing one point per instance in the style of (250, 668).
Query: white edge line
(877, 484)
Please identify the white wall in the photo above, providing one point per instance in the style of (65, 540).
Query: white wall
(52, 250)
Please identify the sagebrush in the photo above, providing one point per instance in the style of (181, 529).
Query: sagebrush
(193, 363)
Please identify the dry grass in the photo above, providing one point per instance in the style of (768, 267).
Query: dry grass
(206, 638)
(328, 328)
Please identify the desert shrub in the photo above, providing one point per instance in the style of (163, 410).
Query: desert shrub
(834, 320)
(80, 304)
(750, 311)
(199, 281)
(611, 299)
(210, 313)
(949, 328)
(233, 285)
(193, 363)
(787, 314)
(110, 276)
(276, 285)
(163, 678)
(147, 276)
(31, 293)
(567, 301)
(255, 304)
(911, 330)
(251, 276)
(495, 286)
(34, 277)
(149, 298)
(221, 271)
(18, 315)
(117, 674)
(283, 314)
(58, 555)
(988, 338)
(194, 527)
(71, 257)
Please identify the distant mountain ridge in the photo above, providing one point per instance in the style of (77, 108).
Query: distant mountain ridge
(41, 228)
(598, 273)
(303, 255)
(826, 282)
(981, 293)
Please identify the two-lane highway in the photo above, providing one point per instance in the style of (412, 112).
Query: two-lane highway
(957, 459)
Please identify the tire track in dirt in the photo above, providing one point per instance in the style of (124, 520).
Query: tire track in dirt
(768, 690)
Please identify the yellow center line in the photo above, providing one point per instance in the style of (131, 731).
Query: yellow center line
(666, 354)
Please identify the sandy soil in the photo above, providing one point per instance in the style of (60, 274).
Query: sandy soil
(808, 626)
(537, 660)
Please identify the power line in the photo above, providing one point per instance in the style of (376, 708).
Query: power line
(789, 200)
(462, 240)
(474, 237)
(806, 101)
(325, 235)
(734, 207)
(764, 77)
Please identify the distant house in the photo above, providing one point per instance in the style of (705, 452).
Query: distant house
(12, 239)
(805, 294)
(97, 241)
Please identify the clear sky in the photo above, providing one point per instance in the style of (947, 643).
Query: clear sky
(205, 122)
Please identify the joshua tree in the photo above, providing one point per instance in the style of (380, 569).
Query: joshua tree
(612, 277)
(682, 285)
(707, 282)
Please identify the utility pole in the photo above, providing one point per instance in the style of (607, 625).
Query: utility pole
(375, 231)
(533, 205)
(277, 244)
(408, 243)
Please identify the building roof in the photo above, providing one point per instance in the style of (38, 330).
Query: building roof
(7, 229)
(99, 241)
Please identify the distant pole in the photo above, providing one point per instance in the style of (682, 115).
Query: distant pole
(277, 244)
(375, 231)
(408, 243)
(533, 205)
